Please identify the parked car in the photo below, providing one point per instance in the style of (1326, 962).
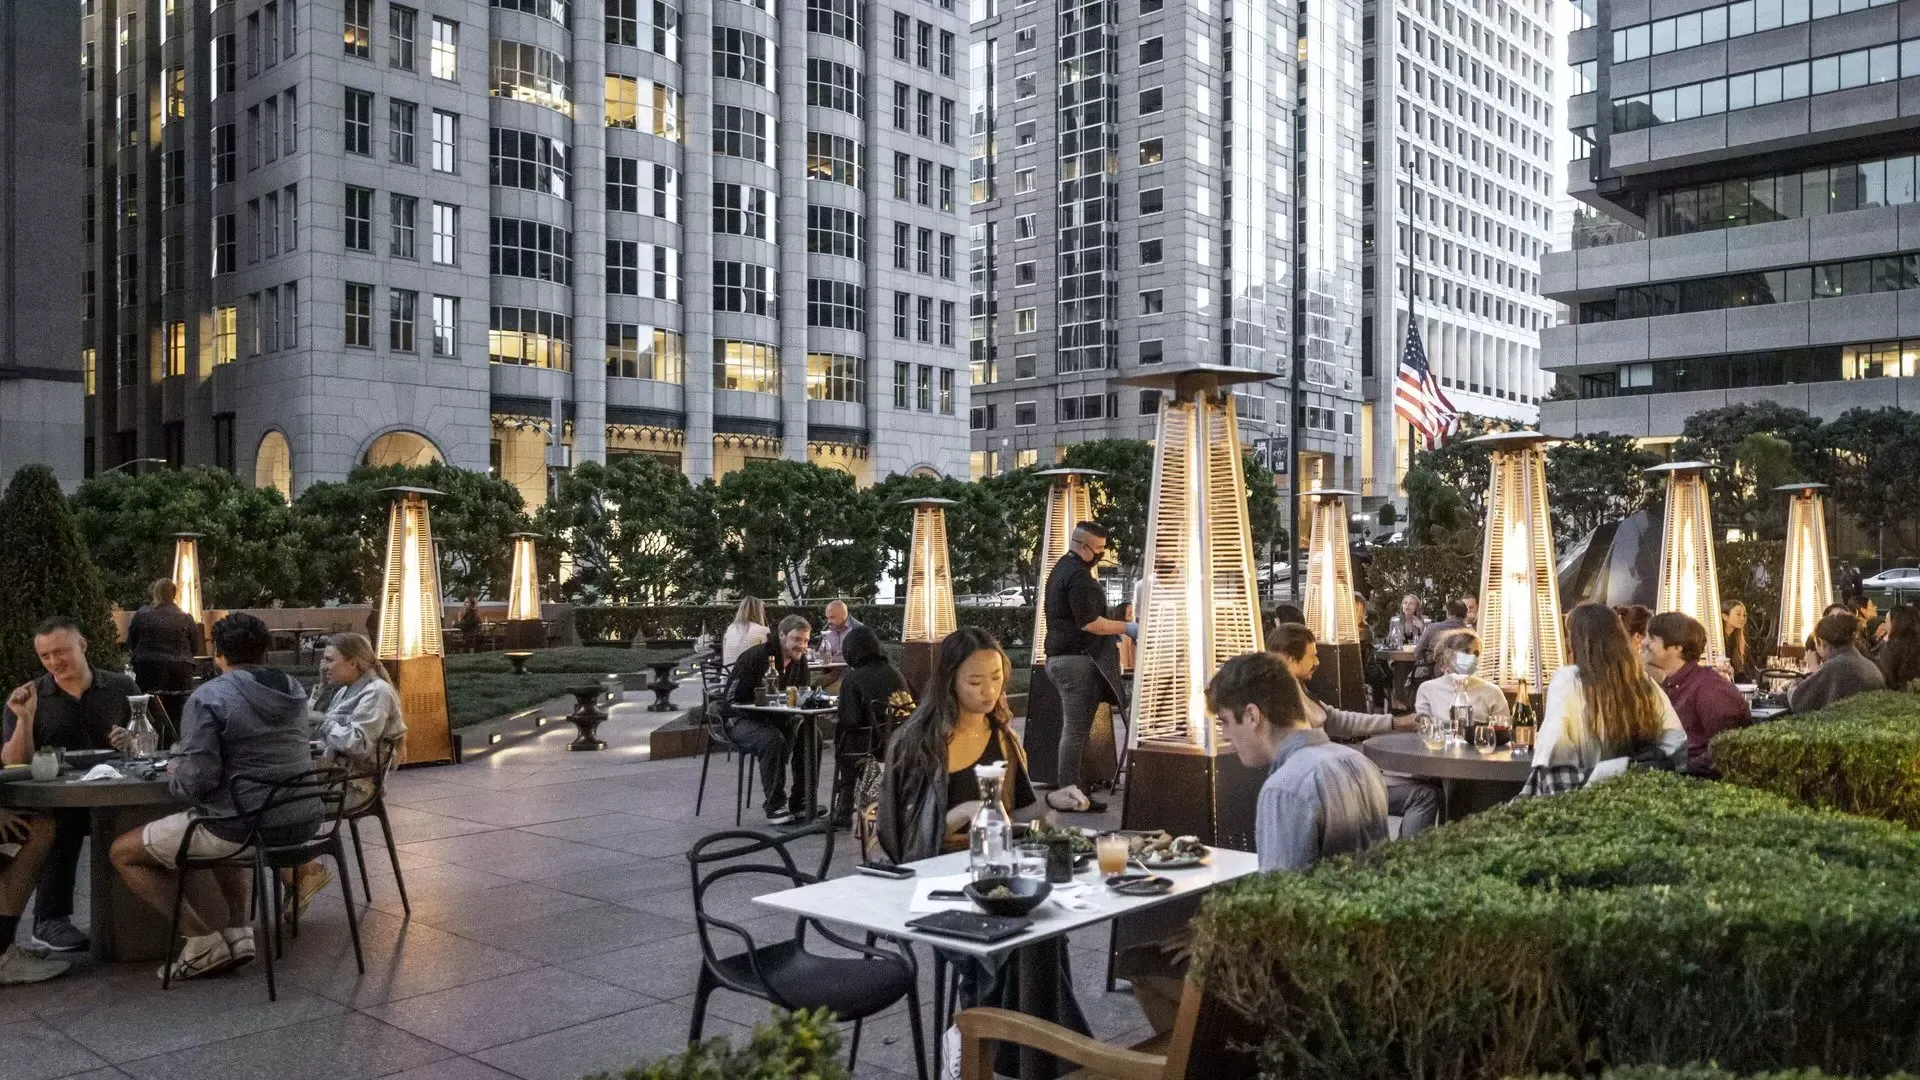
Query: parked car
(1011, 597)
(1900, 578)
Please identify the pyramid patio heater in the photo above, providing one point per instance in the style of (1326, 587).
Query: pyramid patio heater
(1689, 578)
(186, 575)
(1199, 607)
(1340, 679)
(1806, 584)
(929, 614)
(1521, 636)
(410, 644)
(1069, 502)
(524, 629)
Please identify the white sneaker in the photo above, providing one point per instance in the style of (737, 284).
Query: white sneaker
(200, 956)
(239, 941)
(18, 966)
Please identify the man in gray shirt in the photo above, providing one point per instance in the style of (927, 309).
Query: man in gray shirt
(1320, 798)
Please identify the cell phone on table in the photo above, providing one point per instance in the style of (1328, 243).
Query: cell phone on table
(946, 894)
(897, 873)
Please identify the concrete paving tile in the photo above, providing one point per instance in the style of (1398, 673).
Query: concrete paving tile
(453, 1068)
(580, 932)
(605, 823)
(35, 1050)
(404, 959)
(191, 1014)
(514, 901)
(625, 883)
(420, 822)
(509, 1009)
(612, 1044)
(509, 809)
(347, 1047)
(665, 968)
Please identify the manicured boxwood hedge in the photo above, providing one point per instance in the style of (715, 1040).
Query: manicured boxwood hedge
(1709, 1072)
(1013, 626)
(1861, 756)
(1649, 919)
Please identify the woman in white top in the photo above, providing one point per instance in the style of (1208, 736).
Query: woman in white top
(749, 628)
(1602, 706)
(1460, 655)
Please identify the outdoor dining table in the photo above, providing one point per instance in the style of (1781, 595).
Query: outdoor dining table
(122, 926)
(805, 723)
(1469, 778)
(884, 907)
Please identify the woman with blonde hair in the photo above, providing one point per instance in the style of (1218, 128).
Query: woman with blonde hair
(1601, 707)
(749, 628)
(361, 731)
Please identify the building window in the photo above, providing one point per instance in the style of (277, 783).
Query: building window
(358, 116)
(446, 234)
(173, 95)
(1025, 320)
(226, 248)
(837, 305)
(742, 133)
(359, 315)
(836, 377)
(402, 118)
(741, 210)
(946, 121)
(1151, 251)
(531, 74)
(843, 19)
(226, 335)
(946, 391)
(832, 231)
(1150, 101)
(530, 338)
(400, 316)
(359, 219)
(835, 86)
(923, 398)
(530, 249)
(1152, 201)
(623, 267)
(946, 323)
(1151, 51)
(401, 23)
(902, 303)
(522, 159)
(446, 325)
(834, 159)
(176, 339)
(746, 365)
(1151, 352)
(923, 318)
(225, 157)
(401, 211)
(902, 385)
(444, 62)
(1152, 301)
(1025, 414)
(740, 55)
(745, 288)
(446, 142)
(645, 352)
(359, 29)
(1152, 152)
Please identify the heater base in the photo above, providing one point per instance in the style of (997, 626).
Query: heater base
(523, 634)
(422, 684)
(1341, 678)
(1189, 793)
(916, 665)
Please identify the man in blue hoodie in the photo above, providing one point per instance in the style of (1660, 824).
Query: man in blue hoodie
(238, 732)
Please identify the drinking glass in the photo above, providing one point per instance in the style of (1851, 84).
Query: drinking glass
(1030, 860)
(1483, 738)
(1111, 850)
(1433, 732)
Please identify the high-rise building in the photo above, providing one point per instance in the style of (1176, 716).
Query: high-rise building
(1459, 202)
(43, 371)
(1758, 234)
(360, 231)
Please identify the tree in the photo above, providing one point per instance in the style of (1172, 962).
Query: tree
(1596, 479)
(1437, 515)
(250, 551)
(632, 527)
(1461, 465)
(45, 571)
(474, 518)
(1020, 498)
(1265, 515)
(1119, 495)
(1742, 499)
(1874, 478)
(979, 545)
(782, 520)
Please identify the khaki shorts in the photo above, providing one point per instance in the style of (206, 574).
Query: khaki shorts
(161, 838)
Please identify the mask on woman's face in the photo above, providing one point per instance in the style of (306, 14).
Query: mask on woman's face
(1465, 662)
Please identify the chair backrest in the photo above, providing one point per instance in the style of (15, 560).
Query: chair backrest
(257, 800)
(716, 857)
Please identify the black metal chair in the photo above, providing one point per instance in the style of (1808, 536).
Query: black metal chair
(713, 724)
(785, 973)
(325, 792)
(869, 743)
(375, 806)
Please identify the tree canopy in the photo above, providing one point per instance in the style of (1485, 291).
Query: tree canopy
(45, 571)
(250, 544)
(634, 530)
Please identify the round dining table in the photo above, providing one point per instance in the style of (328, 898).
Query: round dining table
(1470, 780)
(123, 926)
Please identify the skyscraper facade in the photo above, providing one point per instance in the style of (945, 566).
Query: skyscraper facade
(1755, 166)
(517, 234)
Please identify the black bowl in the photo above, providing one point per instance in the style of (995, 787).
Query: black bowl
(1027, 894)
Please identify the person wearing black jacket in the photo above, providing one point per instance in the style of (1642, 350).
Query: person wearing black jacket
(769, 741)
(870, 683)
(162, 641)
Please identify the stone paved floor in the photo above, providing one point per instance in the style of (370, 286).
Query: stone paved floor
(552, 936)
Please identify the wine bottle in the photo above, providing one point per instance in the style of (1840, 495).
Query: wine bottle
(1524, 722)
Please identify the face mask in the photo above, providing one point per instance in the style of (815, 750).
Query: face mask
(1464, 663)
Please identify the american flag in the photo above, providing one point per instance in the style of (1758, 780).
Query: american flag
(1417, 395)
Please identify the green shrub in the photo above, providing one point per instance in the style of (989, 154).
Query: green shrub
(1649, 919)
(1434, 574)
(1861, 756)
(1012, 625)
(45, 571)
(1710, 1072)
(791, 1046)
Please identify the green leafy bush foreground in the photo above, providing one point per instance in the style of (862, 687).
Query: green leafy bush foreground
(1861, 756)
(791, 1046)
(1709, 1072)
(1648, 920)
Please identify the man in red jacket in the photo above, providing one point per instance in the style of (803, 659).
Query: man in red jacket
(1706, 702)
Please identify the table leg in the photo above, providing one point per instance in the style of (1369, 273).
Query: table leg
(123, 927)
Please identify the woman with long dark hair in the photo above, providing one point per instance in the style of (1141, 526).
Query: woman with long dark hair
(871, 684)
(1601, 706)
(1899, 657)
(1733, 621)
(930, 794)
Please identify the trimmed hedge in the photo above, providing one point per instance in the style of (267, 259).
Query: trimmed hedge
(1012, 625)
(1650, 919)
(1710, 1072)
(1860, 756)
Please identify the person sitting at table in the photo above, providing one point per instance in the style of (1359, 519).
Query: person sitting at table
(1634, 619)
(1872, 627)
(25, 840)
(770, 741)
(241, 730)
(70, 707)
(1705, 701)
(469, 624)
(162, 641)
(929, 794)
(1601, 707)
(1460, 658)
(1740, 657)
(1843, 671)
(840, 622)
(1416, 802)
(870, 681)
(1426, 660)
(1405, 628)
(362, 719)
(1899, 657)
(749, 628)
(1810, 658)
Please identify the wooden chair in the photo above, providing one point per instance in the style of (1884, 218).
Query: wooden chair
(1163, 1057)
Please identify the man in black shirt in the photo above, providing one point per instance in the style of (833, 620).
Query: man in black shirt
(72, 707)
(769, 741)
(1083, 658)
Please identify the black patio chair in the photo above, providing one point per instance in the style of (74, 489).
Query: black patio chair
(375, 806)
(868, 743)
(713, 728)
(785, 973)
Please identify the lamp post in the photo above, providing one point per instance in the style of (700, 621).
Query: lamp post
(1806, 583)
(1069, 502)
(1520, 631)
(1689, 577)
(524, 630)
(186, 574)
(1329, 600)
(1199, 607)
(929, 615)
(410, 644)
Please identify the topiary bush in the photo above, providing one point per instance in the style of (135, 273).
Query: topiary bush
(45, 571)
(1861, 756)
(791, 1046)
(1649, 919)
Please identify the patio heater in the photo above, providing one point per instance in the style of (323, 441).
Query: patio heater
(1806, 584)
(1198, 608)
(186, 574)
(1521, 636)
(1689, 579)
(1329, 601)
(410, 645)
(929, 614)
(524, 629)
(1069, 502)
